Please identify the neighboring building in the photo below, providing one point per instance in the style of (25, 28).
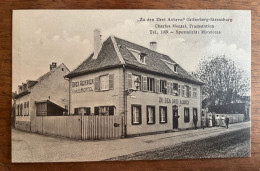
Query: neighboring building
(153, 92)
(46, 96)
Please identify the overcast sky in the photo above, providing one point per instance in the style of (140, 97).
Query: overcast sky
(66, 36)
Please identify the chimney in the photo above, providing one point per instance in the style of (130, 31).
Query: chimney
(53, 65)
(153, 45)
(97, 43)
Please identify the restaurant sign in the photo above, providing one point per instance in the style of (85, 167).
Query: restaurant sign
(172, 101)
(82, 86)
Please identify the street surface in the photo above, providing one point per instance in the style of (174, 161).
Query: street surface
(204, 143)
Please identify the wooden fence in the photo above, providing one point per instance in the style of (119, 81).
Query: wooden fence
(101, 127)
(81, 127)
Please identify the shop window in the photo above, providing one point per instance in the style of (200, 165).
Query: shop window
(175, 89)
(186, 114)
(163, 114)
(150, 114)
(136, 114)
(150, 84)
(194, 90)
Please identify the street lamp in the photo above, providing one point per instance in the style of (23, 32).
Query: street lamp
(137, 84)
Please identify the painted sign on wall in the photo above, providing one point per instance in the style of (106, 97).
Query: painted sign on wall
(172, 101)
(82, 86)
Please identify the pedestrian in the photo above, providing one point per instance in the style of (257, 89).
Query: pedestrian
(203, 122)
(227, 121)
(195, 120)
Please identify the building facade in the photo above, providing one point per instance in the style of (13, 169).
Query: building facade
(48, 95)
(151, 91)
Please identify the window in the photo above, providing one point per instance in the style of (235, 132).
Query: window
(136, 115)
(171, 65)
(163, 114)
(194, 92)
(84, 111)
(186, 114)
(18, 109)
(21, 109)
(163, 88)
(76, 111)
(150, 84)
(175, 89)
(135, 78)
(140, 56)
(104, 82)
(104, 110)
(186, 91)
(150, 114)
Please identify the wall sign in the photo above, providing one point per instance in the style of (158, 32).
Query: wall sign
(172, 101)
(82, 86)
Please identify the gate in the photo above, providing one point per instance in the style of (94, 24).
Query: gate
(101, 127)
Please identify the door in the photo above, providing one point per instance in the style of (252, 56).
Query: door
(175, 116)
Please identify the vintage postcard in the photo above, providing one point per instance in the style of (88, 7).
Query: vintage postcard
(94, 85)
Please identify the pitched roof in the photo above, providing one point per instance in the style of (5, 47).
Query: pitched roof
(115, 53)
(41, 78)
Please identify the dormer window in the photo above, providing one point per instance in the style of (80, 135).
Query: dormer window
(140, 56)
(171, 65)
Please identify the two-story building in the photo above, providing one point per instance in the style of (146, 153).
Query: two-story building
(46, 96)
(151, 91)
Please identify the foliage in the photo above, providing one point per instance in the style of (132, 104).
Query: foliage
(224, 81)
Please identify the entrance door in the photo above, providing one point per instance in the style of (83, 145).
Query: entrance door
(175, 116)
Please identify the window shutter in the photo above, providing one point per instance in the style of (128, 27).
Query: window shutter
(96, 110)
(157, 85)
(111, 81)
(189, 91)
(183, 90)
(171, 88)
(76, 111)
(179, 90)
(97, 84)
(129, 80)
(168, 88)
(111, 110)
(144, 83)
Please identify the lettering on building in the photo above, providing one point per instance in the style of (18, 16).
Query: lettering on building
(84, 86)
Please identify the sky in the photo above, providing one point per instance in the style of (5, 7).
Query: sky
(41, 37)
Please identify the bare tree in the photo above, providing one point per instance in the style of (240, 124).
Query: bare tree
(224, 81)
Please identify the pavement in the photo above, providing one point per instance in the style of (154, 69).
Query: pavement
(30, 147)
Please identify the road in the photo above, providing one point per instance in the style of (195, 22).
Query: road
(30, 147)
(233, 144)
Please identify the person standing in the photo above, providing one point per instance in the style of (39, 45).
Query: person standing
(195, 120)
(203, 122)
(227, 121)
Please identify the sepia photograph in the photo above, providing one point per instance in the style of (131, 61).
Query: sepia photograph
(115, 85)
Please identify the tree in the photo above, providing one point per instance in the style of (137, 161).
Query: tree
(224, 81)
